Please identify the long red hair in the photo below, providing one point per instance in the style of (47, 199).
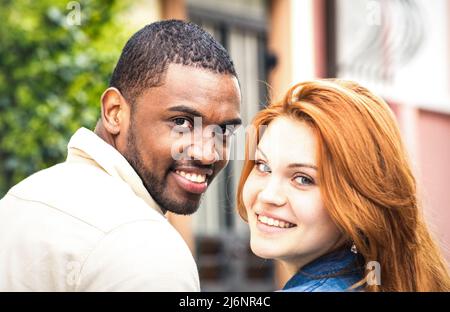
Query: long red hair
(365, 179)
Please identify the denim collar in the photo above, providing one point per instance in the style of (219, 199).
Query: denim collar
(342, 260)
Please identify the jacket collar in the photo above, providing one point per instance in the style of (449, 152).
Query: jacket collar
(86, 146)
(341, 260)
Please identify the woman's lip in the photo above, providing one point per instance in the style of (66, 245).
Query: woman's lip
(269, 229)
(273, 217)
(265, 228)
(189, 186)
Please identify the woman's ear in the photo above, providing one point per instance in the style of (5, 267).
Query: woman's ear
(114, 108)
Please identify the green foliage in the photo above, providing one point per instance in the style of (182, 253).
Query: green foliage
(52, 75)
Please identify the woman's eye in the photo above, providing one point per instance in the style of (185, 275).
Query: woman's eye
(262, 167)
(182, 122)
(302, 180)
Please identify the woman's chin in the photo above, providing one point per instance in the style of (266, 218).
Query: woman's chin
(265, 252)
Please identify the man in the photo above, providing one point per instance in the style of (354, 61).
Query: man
(96, 222)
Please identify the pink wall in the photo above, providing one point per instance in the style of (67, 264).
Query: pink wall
(427, 137)
(433, 143)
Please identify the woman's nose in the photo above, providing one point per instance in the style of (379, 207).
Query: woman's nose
(272, 193)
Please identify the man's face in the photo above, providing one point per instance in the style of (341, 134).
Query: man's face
(175, 160)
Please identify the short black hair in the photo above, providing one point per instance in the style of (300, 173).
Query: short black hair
(148, 53)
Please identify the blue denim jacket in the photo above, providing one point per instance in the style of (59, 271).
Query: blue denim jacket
(334, 272)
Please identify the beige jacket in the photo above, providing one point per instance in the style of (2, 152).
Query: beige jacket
(88, 224)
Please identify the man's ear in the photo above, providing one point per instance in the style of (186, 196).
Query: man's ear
(114, 110)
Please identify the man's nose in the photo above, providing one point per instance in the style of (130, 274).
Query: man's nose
(204, 151)
(272, 193)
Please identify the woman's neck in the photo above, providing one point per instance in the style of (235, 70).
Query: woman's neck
(293, 265)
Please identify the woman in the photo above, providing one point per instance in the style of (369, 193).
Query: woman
(327, 190)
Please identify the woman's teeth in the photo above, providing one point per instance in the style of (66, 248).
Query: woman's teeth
(274, 222)
(197, 178)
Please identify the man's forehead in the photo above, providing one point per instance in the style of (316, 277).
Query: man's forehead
(191, 81)
(215, 97)
(210, 93)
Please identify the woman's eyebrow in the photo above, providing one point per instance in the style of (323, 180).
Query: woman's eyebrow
(296, 165)
(293, 165)
(259, 150)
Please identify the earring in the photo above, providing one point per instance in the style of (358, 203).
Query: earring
(353, 249)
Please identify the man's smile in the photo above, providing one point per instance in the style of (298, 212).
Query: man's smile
(192, 179)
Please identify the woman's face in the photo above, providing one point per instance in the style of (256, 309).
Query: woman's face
(286, 215)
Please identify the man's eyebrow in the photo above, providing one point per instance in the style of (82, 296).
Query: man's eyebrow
(187, 110)
(293, 165)
(235, 121)
(196, 113)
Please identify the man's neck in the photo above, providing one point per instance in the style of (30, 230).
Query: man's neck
(105, 135)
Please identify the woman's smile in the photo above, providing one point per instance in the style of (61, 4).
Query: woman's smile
(267, 223)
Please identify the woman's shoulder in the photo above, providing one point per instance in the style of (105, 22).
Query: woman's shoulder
(327, 284)
(337, 271)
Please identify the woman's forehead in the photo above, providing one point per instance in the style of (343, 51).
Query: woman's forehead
(289, 141)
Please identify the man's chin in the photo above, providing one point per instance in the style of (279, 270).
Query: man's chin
(180, 207)
(171, 198)
(185, 210)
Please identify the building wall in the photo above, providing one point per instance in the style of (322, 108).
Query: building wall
(427, 138)
(296, 37)
(299, 41)
(434, 159)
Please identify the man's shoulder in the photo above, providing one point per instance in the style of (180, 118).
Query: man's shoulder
(119, 240)
(140, 257)
(84, 192)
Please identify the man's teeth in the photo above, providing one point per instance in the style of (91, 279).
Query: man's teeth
(198, 178)
(275, 222)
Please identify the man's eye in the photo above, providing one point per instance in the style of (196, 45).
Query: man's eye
(226, 130)
(262, 167)
(182, 122)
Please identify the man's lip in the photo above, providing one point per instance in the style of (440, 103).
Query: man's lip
(189, 186)
(197, 170)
